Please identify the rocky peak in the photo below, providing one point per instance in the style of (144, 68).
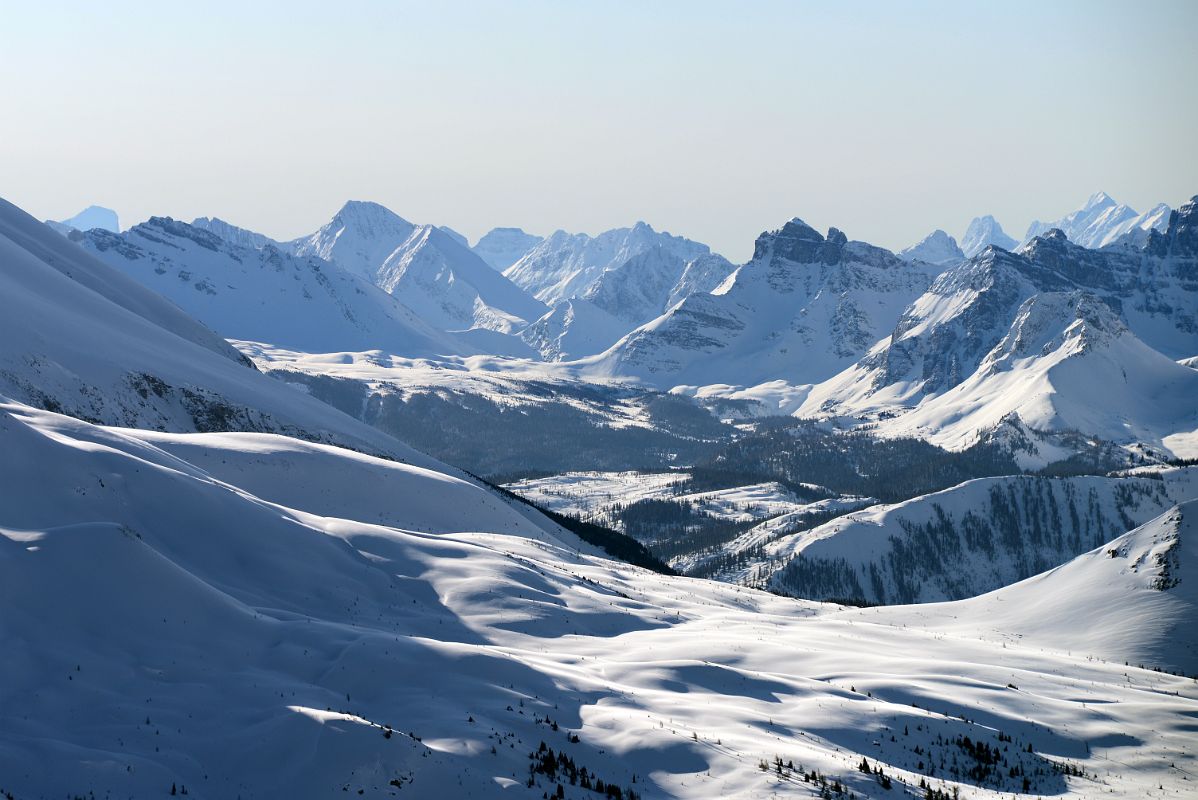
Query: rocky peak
(799, 242)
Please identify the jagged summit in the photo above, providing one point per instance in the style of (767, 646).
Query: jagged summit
(233, 234)
(564, 265)
(983, 232)
(799, 242)
(1101, 221)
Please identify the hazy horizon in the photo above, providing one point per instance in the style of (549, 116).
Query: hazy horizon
(886, 121)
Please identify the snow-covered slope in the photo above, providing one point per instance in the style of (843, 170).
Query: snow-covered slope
(970, 539)
(242, 237)
(622, 298)
(1101, 221)
(936, 248)
(983, 232)
(166, 629)
(451, 287)
(1133, 599)
(502, 247)
(564, 265)
(801, 310)
(651, 282)
(573, 329)
(429, 270)
(88, 218)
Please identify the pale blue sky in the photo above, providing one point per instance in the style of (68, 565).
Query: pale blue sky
(712, 120)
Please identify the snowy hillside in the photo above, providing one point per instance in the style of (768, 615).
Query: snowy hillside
(936, 248)
(429, 270)
(282, 651)
(564, 265)
(264, 294)
(983, 232)
(1132, 599)
(1101, 221)
(502, 247)
(967, 540)
(801, 310)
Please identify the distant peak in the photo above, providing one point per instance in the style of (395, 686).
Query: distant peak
(1099, 199)
(796, 241)
(367, 210)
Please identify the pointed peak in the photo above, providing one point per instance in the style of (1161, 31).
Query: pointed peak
(367, 210)
(1099, 199)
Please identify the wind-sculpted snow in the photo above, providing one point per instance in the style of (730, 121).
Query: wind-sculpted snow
(971, 539)
(167, 627)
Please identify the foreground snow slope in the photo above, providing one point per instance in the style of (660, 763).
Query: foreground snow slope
(1147, 574)
(164, 626)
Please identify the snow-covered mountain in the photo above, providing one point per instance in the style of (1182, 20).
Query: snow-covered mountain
(1038, 334)
(1101, 221)
(1063, 352)
(85, 339)
(936, 248)
(240, 613)
(971, 539)
(242, 237)
(801, 310)
(564, 265)
(429, 270)
(983, 232)
(622, 298)
(88, 218)
(1132, 600)
(502, 247)
(264, 294)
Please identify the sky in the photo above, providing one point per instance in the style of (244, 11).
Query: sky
(711, 120)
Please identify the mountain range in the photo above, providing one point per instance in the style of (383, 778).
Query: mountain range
(219, 580)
